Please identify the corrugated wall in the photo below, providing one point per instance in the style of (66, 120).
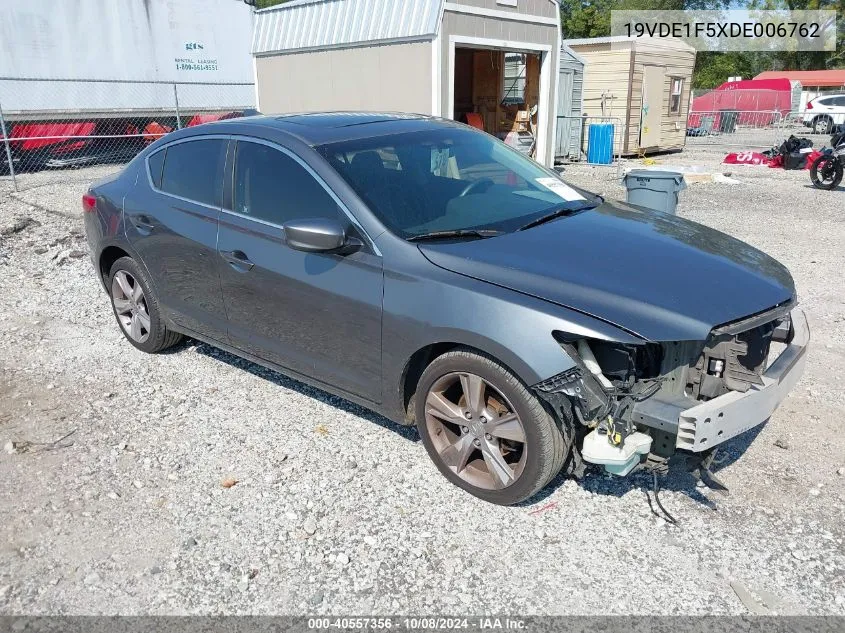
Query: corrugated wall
(301, 26)
(392, 77)
(571, 91)
(545, 8)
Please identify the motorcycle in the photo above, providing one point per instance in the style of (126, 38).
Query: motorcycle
(826, 171)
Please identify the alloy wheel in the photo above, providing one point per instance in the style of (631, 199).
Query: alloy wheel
(130, 304)
(475, 431)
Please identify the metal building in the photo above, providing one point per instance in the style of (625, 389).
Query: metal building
(570, 104)
(492, 63)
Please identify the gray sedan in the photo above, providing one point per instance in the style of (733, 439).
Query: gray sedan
(429, 272)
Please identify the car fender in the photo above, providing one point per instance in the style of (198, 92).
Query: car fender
(447, 308)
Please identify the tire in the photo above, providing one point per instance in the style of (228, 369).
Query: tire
(819, 172)
(822, 125)
(473, 456)
(132, 309)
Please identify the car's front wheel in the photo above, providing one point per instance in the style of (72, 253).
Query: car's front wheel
(136, 308)
(822, 125)
(485, 431)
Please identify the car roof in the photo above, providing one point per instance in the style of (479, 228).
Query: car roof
(322, 128)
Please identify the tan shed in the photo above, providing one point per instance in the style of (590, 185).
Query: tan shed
(645, 83)
(490, 63)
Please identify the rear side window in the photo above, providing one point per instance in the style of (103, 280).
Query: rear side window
(156, 162)
(194, 170)
(839, 101)
(272, 186)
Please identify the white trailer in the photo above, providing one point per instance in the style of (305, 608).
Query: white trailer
(93, 81)
(82, 57)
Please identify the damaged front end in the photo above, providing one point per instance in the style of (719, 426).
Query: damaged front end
(635, 406)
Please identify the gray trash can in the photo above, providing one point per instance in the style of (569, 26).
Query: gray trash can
(654, 189)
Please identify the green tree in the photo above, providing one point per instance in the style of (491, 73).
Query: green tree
(808, 60)
(591, 18)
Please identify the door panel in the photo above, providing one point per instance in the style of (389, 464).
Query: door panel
(317, 314)
(177, 241)
(654, 86)
(314, 313)
(566, 127)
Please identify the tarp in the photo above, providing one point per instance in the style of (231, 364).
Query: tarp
(155, 131)
(749, 96)
(747, 158)
(199, 119)
(756, 158)
(27, 130)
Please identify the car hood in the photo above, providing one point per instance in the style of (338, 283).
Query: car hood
(656, 275)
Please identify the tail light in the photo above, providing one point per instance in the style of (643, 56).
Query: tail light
(809, 105)
(89, 203)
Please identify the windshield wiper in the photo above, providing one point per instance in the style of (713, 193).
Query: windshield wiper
(557, 212)
(438, 235)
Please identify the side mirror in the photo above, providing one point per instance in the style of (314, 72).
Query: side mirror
(318, 235)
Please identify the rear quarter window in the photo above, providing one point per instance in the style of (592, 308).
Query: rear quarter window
(156, 163)
(194, 170)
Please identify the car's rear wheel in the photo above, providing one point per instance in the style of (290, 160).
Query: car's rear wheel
(136, 308)
(484, 430)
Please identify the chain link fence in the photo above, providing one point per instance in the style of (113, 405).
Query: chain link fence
(49, 128)
(594, 140)
(747, 129)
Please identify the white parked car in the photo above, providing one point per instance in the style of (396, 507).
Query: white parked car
(824, 112)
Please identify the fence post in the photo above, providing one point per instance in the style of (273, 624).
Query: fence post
(176, 101)
(8, 149)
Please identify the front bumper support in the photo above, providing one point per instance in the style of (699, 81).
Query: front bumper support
(702, 425)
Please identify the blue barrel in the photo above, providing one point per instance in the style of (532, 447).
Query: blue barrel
(600, 143)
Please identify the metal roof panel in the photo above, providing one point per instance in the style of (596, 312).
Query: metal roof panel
(313, 24)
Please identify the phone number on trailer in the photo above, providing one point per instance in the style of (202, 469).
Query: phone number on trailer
(724, 29)
(413, 624)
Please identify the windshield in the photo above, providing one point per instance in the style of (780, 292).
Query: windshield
(450, 179)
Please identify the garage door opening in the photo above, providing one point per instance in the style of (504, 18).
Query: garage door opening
(499, 92)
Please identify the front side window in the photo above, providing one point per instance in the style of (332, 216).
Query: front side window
(273, 187)
(449, 179)
(194, 170)
(677, 90)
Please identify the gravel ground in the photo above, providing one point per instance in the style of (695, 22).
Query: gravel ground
(337, 510)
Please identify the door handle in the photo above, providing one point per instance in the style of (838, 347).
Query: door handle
(143, 223)
(237, 260)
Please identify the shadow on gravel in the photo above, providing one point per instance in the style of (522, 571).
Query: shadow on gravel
(596, 481)
(840, 188)
(406, 432)
(677, 480)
